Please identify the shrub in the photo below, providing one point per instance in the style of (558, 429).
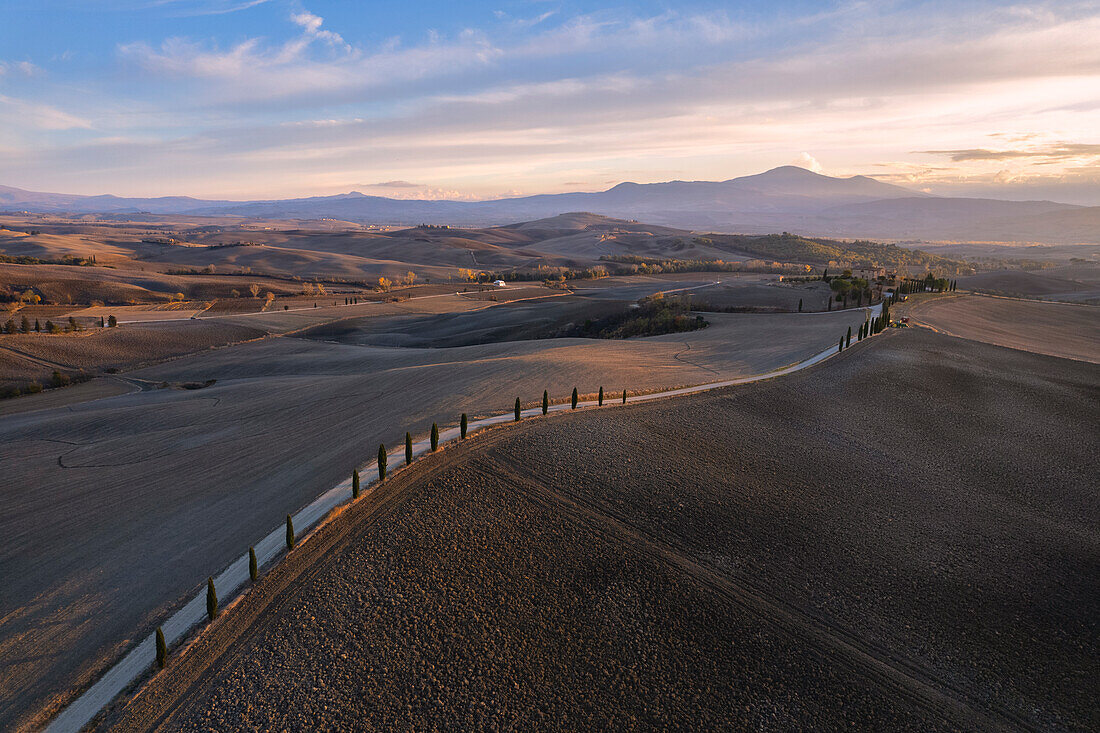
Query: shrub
(381, 462)
(435, 437)
(52, 327)
(112, 321)
(253, 566)
(573, 399)
(162, 649)
(211, 600)
(545, 402)
(355, 484)
(59, 379)
(517, 409)
(601, 396)
(462, 425)
(33, 388)
(408, 449)
(289, 533)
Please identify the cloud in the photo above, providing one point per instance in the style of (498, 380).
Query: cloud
(23, 68)
(42, 116)
(392, 184)
(186, 8)
(809, 162)
(311, 24)
(1062, 151)
(601, 96)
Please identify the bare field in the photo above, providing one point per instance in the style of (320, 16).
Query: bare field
(1071, 283)
(774, 295)
(171, 485)
(793, 574)
(1070, 331)
(123, 347)
(132, 283)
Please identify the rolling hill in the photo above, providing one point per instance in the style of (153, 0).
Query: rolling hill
(782, 199)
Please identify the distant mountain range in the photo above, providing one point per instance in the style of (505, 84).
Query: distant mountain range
(782, 199)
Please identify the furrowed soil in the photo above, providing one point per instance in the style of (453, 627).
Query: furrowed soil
(1069, 331)
(117, 510)
(900, 539)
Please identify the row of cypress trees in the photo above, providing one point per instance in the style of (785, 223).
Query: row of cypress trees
(212, 611)
(869, 328)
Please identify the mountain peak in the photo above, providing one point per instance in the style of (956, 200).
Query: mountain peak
(789, 171)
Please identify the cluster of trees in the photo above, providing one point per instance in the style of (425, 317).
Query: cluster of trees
(928, 284)
(851, 287)
(654, 266)
(25, 326)
(57, 380)
(385, 284)
(14, 296)
(652, 316)
(70, 260)
(832, 253)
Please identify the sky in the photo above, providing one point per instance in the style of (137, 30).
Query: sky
(259, 99)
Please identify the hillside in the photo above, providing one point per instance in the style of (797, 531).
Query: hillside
(505, 584)
(787, 198)
(792, 248)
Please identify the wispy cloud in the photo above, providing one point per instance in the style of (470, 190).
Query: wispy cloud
(21, 68)
(20, 111)
(311, 24)
(185, 8)
(546, 101)
(1061, 151)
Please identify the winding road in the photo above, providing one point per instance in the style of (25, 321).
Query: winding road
(233, 578)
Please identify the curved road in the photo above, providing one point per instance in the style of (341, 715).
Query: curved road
(231, 580)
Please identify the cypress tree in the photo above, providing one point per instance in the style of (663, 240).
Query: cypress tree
(463, 424)
(37, 326)
(601, 396)
(800, 305)
(624, 396)
(355, 484)
(517, 409)
(381, 462)
(253, 566)
(545, 402)
(408, 449)
(211, 600)
(848, 342)
(841, 344)
(25, 325)
(162, 649)
(573, 401)
(289, 533)
(102, 324)
(825, 275)
(435, 436)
